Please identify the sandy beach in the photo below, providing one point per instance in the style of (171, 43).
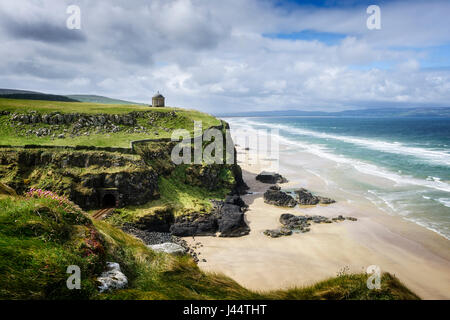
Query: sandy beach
(417, 256)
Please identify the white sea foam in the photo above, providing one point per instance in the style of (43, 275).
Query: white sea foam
(429, 226)
(444, 201)
(361, 166)
(435, 156)
(372, 169)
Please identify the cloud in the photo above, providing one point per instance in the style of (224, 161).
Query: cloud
(217, 55)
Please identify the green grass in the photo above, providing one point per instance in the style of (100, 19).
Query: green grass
(17, 135)
(41, 106)
(39, 239)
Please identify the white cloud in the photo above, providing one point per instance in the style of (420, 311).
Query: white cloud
(213, 55)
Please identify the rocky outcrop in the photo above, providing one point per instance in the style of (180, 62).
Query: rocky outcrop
(304, 197)
(83, 176)
(301, 224)
(132, 188)
(195, 225)
(240, 187)
(275, 196)
(77, 124)
(292, 222)
(85, 120)
(276, 233)
(66, 158)
(270, 177)
(227, 220)
(231, 221)
(112, 278)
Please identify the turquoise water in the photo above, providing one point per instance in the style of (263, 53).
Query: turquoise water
(413, 154)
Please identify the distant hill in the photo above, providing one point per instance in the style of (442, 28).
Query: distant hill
(380, 112)
(11, 91)
(99, 99)
(34, 95)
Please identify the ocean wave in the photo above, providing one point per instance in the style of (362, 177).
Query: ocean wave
(444, 201)
(434, 156)
(363, 167)
(368, 168)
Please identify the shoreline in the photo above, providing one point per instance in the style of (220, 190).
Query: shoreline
(419, 257)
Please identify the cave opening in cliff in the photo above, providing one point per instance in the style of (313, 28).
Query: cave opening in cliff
(109, 201)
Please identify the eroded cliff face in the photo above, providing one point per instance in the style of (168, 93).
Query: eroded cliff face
(95, 179)
(86, 177)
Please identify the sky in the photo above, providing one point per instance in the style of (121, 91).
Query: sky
(234, 55)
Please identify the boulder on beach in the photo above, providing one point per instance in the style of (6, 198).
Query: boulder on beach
(302, 223)
(270, 177)
(168, 247)
(275, 196)
(304, 197)
(276, 233)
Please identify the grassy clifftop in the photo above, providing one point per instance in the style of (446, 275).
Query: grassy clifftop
(25, 122)
(39, 238)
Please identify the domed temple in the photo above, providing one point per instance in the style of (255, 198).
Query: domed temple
(158, 100)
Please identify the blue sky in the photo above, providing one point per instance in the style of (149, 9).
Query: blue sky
(234, 55)
(328, 38)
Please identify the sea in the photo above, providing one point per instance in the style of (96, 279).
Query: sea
(407, 160)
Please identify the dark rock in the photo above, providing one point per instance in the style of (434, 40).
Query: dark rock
(294, 222)
(196, 224)
(227, 219)
(304, 197)
(270, 177)
(302, 223)
(324, 200)
(276, 233)
(231, 222)
(236, 200)
(279, 198)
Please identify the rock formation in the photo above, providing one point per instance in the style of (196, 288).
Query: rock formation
(275, 196)
(227, 219)
(270, 177)
(304, 197)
